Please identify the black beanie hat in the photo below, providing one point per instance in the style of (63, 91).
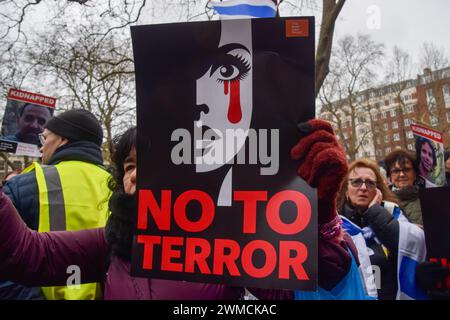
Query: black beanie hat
(76, 125)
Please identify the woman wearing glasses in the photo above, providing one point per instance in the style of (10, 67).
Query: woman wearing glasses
(402, 170)
(389, 246)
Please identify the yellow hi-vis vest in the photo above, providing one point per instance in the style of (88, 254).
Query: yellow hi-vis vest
(73, 195)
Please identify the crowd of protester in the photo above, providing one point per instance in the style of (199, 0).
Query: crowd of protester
(73, 210)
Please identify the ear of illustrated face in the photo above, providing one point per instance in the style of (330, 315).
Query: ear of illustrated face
(224, 93)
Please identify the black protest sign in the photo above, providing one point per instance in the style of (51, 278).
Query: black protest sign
(435, 204)
(218, 105)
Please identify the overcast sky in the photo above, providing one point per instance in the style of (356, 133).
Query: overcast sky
(405, 23)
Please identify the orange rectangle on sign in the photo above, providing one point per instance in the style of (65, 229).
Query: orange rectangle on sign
(297, 28)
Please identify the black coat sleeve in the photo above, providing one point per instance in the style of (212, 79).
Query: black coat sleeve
(384, 225)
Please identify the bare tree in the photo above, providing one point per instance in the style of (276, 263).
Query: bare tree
(123, 13)
(352, 71)
(90, 72)
(433, 57)
(399, 73)
(330, 12)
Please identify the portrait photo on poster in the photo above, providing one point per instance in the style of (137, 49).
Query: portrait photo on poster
(430, 156)
(218, 103)
(24, 121)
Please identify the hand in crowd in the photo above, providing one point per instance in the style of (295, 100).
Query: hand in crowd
(323, 164)
(377, 199)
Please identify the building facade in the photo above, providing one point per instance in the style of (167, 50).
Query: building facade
(376, 121)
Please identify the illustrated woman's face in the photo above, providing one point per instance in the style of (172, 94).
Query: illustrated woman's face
(224, 94)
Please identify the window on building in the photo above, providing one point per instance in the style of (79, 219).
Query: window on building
(344, 124)
(431, 101)
(396, 137)
(384, 115)
(394, 124)
(409, 134)
(378, 141)
(386, 139)
(434, 121)
(409, 108)
(362, 131)
(362, 119)
(387, 150)
(393, 113)
(446, 93)
(345, 134)
(410, 146)
(385, 127)
(407, 122)
(366, 154)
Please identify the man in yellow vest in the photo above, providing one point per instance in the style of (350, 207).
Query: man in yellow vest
(68, 191)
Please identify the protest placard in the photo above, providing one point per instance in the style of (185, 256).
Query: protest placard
(220, 200)
(430, 156)
(25, 116)
(435, 205)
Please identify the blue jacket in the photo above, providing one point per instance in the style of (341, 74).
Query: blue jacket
(23, 192)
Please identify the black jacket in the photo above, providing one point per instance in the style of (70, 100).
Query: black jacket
(410, 203)
(386, 230)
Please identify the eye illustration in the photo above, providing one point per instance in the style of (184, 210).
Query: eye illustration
(230, 68)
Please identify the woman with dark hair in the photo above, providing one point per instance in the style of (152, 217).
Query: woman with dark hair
(402, 170)
(381, 233)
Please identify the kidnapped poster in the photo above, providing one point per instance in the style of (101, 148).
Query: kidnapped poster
(218, 105)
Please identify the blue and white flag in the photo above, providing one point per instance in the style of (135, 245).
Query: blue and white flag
(411, 251)
(244, 9)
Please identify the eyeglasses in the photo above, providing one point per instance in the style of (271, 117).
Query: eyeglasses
(41, 138)
(357, 183)
(397, 171)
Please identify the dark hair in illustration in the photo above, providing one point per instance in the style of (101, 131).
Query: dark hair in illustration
(181, 68)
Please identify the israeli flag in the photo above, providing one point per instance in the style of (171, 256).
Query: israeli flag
(245, 9)
(411, 251)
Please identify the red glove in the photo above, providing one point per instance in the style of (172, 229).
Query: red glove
(323, 164)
